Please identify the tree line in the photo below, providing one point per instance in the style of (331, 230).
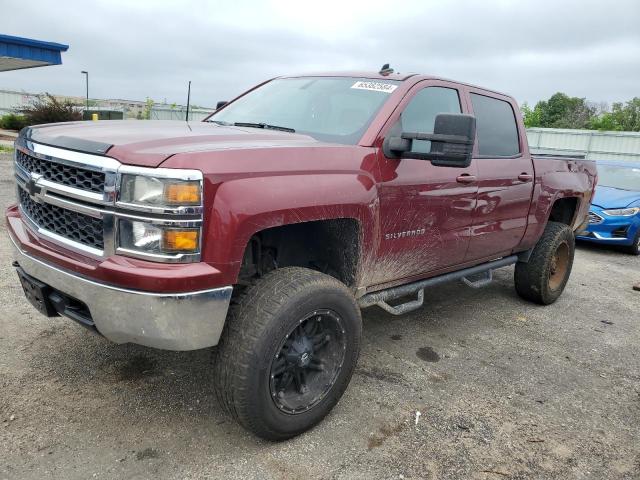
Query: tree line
(563, 111)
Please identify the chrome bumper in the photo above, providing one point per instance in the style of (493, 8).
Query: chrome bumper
(173, 321)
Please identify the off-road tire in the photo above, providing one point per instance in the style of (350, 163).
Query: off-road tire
(543, 278)
(634, 248)
(255, 328)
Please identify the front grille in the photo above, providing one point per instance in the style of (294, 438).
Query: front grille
(66, 223)
(595, 219)
(61, 173)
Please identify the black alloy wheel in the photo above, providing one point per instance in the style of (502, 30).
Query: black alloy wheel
(308, 362)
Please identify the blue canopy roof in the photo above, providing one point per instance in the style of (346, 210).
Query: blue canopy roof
(19, 52)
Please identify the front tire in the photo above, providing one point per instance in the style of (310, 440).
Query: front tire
(634, 248)
(288, 351)
(543, 278)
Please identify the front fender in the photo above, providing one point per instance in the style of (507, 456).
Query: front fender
(242, 207)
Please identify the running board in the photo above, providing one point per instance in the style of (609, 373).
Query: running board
(404, 307)
(481, 282)
(381, 297)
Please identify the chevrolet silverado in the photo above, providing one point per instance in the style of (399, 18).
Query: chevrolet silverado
(263, 230)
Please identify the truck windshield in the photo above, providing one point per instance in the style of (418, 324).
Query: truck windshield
(625, 178)
(331, 109)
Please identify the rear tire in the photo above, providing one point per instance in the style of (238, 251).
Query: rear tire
(543, 278)
(288, 351)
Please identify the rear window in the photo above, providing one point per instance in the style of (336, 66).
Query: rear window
(496, 127)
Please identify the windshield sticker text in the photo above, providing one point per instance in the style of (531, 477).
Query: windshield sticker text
(375, 86)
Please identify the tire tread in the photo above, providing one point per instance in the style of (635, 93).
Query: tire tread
(248, 318)
(531, 278)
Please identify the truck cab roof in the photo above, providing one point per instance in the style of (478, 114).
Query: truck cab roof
(410, 78)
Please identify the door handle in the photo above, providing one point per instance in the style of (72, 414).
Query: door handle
(525, 177)
(465, 178)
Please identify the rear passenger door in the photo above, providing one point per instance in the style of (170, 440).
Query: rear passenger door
(505, 177)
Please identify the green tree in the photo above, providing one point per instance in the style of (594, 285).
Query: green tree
(148, 105)
(531, 116)
(563, 111)
(604, 121)
(627, 116)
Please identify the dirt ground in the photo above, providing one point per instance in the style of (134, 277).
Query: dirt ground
(505, 390)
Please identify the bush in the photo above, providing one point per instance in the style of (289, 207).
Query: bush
(47, 109)
(13, 122)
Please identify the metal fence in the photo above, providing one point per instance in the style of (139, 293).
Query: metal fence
(593, 144)
(11, 100)
(178, 113)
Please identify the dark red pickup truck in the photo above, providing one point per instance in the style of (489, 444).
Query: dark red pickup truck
(264, 229)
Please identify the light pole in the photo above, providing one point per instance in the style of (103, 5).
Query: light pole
(87, 78)
(188, 99)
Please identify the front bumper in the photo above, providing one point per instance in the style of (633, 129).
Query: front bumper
(613, 230)
(169, 321)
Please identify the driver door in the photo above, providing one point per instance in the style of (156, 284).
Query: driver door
(425, 211)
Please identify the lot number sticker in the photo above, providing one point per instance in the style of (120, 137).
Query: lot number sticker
(375, 86)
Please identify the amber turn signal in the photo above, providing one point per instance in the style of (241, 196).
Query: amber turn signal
(180, 240)
(183, 193)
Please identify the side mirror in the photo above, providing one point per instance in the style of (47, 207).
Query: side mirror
(451, 142)
(221, 104)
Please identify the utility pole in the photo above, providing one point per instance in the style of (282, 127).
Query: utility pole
(87, 78)
(188, 99)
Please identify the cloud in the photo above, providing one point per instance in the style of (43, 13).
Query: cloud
(152, 48)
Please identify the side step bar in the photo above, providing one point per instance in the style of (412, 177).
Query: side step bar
(380, 298)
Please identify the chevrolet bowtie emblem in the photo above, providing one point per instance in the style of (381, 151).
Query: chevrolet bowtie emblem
(34, 190)
(31, 187)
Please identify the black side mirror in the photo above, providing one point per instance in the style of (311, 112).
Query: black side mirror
(221, 104)
(451, 141)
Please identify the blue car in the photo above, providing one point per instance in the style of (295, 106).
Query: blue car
(614, 217)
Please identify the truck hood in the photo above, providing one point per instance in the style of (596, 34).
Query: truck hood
(610, 197)
(149, 143)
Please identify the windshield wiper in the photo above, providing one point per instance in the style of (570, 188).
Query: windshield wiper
(220, 122)
(265, 126)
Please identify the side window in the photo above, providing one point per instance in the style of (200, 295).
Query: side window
(420, 114)
(496, 127)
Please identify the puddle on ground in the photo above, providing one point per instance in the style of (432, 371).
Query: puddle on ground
(427, 354)
(147, 453)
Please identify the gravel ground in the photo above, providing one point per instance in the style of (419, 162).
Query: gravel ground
(505, 389)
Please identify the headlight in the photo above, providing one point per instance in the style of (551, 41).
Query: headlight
(622, 212)
(159, 192)
(160, 214)
(148, 238)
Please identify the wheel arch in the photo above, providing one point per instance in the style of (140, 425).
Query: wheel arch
(343, 205)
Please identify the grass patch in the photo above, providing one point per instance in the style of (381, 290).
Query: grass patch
(6, 149)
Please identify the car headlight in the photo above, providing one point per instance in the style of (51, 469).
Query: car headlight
(160, 214)
(159, 192)
(149, 238)
(622, 212)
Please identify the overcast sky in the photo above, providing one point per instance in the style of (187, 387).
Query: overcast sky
(135, 49)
